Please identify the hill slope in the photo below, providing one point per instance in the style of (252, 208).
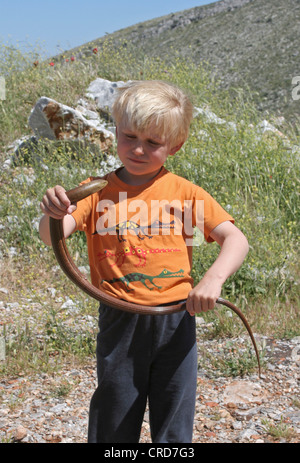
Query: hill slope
(247, 43)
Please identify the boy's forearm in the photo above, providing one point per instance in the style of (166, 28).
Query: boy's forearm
(44, 230)
(234, 248)
(69, 226)
(232, 254)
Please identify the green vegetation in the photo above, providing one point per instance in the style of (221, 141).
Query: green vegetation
(279, 430)
(254, 176)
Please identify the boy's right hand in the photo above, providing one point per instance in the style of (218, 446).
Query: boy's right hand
(56, 203)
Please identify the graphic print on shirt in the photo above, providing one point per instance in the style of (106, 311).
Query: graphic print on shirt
(143, 278)
(136, 229)
(119, 257)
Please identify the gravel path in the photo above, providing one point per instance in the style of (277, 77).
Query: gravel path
(54, 408)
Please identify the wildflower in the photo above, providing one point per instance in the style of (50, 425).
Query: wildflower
(67, 60)
(35, 63)
(51, 64)
(95, 50)
(72, 58)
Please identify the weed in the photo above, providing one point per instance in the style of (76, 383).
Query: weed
(233, 362)
(280, 430)
(62, 390)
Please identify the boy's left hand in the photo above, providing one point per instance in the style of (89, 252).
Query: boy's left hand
(203, 296)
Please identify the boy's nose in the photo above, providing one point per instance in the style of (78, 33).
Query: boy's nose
(138, 150)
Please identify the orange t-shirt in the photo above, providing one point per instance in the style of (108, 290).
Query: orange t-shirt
(140, 237)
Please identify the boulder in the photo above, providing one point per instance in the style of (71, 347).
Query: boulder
(103, 93)
(56, 121)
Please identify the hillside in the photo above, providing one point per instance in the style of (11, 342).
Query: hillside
(247, 43)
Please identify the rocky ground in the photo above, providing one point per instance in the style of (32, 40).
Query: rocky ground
(54, 408)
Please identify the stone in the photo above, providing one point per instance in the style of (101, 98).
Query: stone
(294, 416)
(295, 354)
(56, 121)
(20, 433)
(2, 349)
(243, 392)
(247, 434)
(68, 304)
(247, 415)
(265, 126)
(212, 118)
(200, 321)
(103, 93)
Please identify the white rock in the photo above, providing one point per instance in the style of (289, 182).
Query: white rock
(103, 92)
(68, 304)
(52, 291)
(7, 164)
(53, 120)
(2, 349)
(247, 433)
(20, 433)
(211, 117)
(12, 251)
(243, 392)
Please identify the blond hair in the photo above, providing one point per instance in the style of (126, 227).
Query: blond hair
(154, 104)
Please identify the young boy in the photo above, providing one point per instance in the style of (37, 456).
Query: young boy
(138, 232)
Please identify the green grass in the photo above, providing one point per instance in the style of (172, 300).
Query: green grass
(254, 177)
(279, 430)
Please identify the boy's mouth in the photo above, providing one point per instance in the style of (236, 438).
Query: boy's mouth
(136, 161)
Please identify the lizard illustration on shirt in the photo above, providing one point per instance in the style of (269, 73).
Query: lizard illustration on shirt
(134, 277)
(135, 228)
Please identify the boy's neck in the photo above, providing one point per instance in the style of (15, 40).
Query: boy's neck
(136, 180)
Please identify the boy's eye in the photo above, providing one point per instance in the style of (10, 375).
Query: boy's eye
(154, 142)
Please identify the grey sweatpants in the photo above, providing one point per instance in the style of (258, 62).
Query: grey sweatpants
(140, 357)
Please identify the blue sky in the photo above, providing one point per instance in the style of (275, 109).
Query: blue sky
(58, 25)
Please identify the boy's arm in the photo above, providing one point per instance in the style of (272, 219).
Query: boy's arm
(69, 226)
(234, 248)
(56, 204)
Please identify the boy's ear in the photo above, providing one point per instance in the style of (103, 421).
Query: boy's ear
(175, 149)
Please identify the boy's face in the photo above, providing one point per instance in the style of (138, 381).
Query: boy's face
(142, 153)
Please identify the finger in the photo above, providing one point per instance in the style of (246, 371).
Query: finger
(189, 307)
(60, 192)
(57, 196)
(72, 208)
(53, 207)
(49, 208)
(207, 304)
(59, 215)
(54, 204)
